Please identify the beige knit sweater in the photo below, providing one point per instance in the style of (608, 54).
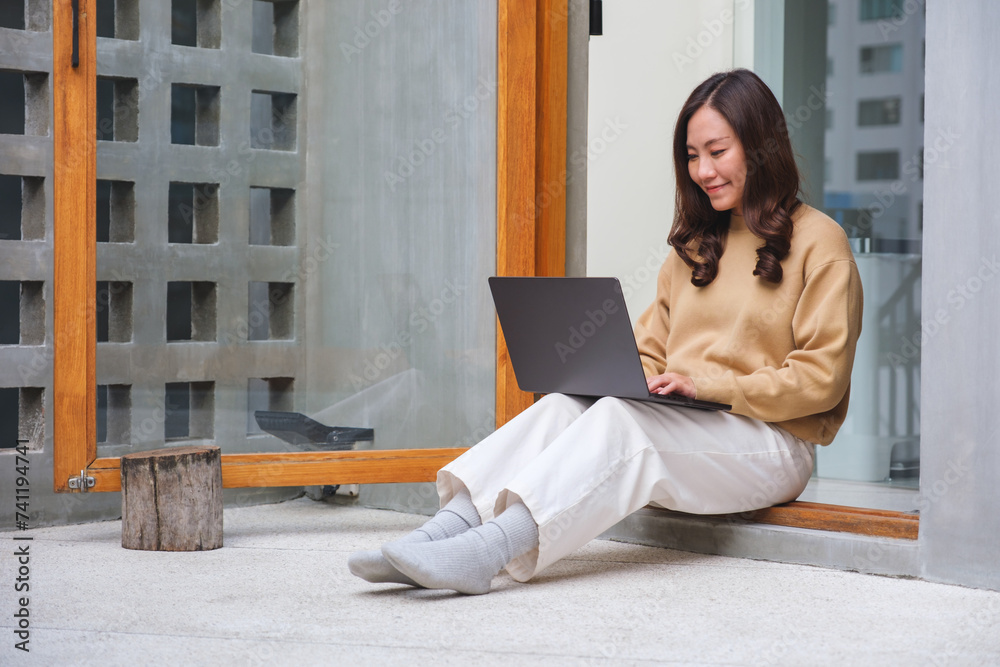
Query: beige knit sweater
(778, 353)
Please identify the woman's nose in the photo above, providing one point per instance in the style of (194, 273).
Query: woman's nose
(706, 170)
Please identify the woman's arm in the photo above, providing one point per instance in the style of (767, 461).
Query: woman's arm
(815, 376)
(653, 326)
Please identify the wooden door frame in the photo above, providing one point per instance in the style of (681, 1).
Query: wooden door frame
(74, 294)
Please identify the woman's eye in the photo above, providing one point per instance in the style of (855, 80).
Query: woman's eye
(718, 153)
(692, 157)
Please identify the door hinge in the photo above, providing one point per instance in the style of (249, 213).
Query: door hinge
(82, 482)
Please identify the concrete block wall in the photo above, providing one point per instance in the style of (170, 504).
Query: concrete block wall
(199, 164)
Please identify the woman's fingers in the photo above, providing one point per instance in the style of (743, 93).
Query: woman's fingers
(656, 382)
(671, 383)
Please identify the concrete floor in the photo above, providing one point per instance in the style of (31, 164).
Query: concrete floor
(279, 592)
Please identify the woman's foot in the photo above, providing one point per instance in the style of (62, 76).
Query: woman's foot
(468, 562)
(458, 516)
(374, 568)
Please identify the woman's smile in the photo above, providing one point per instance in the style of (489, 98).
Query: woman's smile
(715, 159)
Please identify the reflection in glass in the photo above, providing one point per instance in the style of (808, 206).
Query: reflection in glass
(308, 230)
(874, 188)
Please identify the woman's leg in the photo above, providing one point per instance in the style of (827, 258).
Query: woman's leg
(482, 470)
(486, 468)
(617, 457)
(621, 455)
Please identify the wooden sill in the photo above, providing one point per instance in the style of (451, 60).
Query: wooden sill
(836, 518)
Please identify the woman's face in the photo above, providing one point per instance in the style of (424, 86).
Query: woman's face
(716, 161)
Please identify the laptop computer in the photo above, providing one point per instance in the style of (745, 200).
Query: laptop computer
(574, 336)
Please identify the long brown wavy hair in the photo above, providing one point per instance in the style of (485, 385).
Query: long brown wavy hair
(770, 194)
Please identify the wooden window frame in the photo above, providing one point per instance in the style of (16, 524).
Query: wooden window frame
(531, 152)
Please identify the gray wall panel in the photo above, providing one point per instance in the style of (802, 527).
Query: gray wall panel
(960, 453)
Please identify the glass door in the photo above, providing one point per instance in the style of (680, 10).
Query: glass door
(296, 218)
(853, 98)
(296, 211)
(873, 185)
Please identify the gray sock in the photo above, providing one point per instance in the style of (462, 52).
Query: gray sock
(459, 515)
(374, 568)
(456, 517)
(468, 562)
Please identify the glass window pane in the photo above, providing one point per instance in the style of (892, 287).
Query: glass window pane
(873, 187)
(349, 287)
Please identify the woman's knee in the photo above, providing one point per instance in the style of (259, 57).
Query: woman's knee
(611, 405)
(564, 403)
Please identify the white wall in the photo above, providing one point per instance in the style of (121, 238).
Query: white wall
(651, 56)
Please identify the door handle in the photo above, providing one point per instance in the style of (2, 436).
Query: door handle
(76, 33)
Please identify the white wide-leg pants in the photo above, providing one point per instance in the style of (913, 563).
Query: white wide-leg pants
(581, 466)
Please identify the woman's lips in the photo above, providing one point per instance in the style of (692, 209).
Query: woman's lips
(714, 188)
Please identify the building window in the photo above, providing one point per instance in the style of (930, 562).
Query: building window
(878, 165)
(872, 10)
(876, 59)
(878, 112)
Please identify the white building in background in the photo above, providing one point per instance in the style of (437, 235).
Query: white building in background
(873, 181)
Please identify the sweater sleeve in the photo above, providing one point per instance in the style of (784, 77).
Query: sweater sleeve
(815, 376)
(653, 326)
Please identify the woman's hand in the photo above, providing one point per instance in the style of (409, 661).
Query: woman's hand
(671, 383)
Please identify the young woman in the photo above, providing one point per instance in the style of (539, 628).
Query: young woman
(758, 306)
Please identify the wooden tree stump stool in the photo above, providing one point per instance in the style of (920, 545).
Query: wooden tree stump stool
(172, 499)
